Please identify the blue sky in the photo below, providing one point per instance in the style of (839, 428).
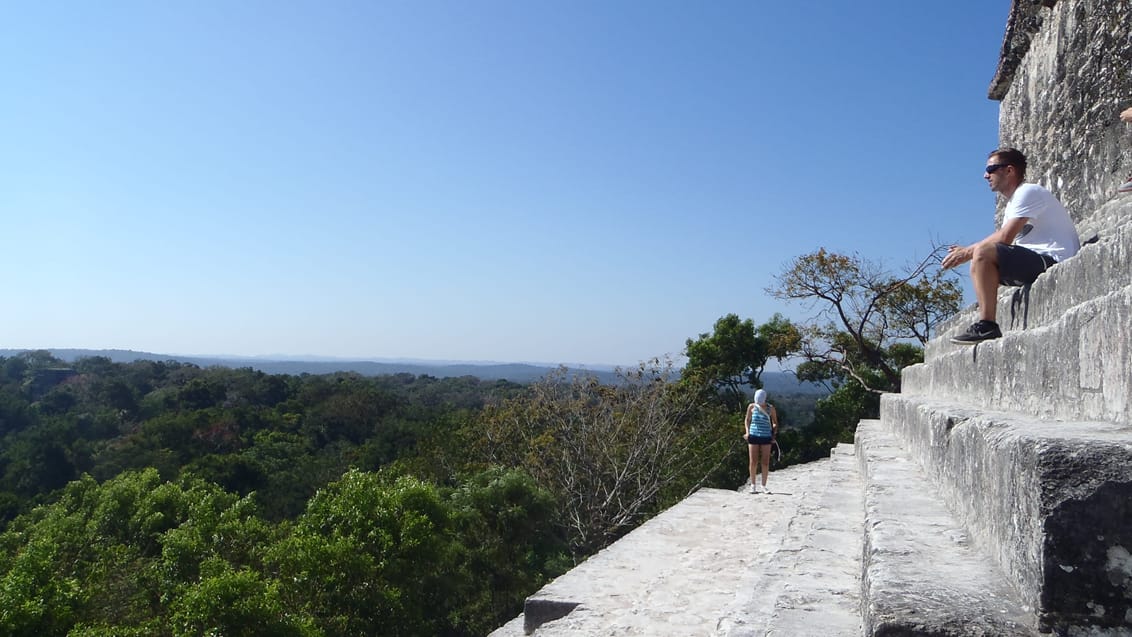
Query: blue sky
(582, 182)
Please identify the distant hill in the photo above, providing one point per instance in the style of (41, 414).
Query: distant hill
(775, 382)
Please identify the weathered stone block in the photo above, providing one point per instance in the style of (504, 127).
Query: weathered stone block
(1064, 76)
(922, 575)
(1050, 501)
(1078, 367)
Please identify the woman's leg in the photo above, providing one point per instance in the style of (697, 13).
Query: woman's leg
(764, 452)
(753, 464)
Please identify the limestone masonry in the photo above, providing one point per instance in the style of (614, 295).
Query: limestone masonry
(994, 495)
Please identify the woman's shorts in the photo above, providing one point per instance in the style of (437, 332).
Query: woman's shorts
(758, 440)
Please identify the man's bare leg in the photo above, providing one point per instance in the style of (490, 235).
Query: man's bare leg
(984, 276)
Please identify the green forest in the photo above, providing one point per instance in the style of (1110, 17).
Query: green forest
(158, 498)
(163, 498)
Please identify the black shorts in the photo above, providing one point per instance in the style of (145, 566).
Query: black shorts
(1019, 266)
(756, 440)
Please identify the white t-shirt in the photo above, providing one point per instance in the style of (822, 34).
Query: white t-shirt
(1049, 229)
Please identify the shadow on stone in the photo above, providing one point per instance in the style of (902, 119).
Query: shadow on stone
(537, 612)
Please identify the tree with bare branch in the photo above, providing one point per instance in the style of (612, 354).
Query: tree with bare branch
(869, 322)
(612, 454)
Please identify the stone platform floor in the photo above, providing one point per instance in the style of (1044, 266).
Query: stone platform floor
(726, 563)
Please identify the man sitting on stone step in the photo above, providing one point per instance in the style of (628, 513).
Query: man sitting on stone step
(1036, 233)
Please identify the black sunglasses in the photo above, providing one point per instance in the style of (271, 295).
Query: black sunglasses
(993, 167)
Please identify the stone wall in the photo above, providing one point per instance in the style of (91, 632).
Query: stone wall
(1064, 76)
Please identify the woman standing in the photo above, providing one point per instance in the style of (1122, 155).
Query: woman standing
(759, 428)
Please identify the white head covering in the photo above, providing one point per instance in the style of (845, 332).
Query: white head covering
(760, 396)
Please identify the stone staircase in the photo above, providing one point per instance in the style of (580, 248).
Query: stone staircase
(857, 544)
(992, 497)
(1068, 354)
(1020, 450)
(1029, 437)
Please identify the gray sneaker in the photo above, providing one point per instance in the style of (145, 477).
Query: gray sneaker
(978, 332)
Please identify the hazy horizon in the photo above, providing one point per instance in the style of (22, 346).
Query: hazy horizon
(317, 358)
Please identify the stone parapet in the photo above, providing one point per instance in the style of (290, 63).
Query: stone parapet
(1049, 500)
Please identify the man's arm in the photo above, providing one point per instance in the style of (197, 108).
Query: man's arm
(958, 255)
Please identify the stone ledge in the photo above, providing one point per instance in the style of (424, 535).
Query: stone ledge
(1049, 500)
(921, 574)
(1024, 21)
(693, 569)
(1076, 368)
(812, 587)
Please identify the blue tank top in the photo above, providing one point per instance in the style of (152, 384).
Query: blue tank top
(760, 424)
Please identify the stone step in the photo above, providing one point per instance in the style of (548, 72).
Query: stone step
(682, 572)
(812, 586)
(1050, 500)
(1098, 270)
(922, 573)
(1070, 368)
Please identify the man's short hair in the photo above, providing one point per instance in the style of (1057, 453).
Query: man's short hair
(1011, 157)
